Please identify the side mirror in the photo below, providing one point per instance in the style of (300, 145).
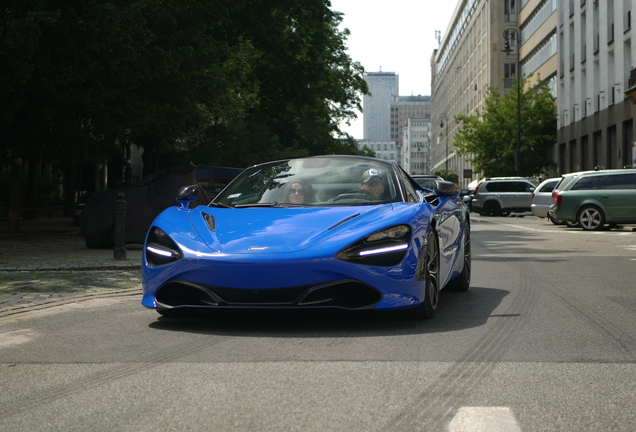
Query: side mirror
(186, 195)
(445, 188)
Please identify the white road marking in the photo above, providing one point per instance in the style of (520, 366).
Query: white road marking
(578, 230)
(17, 337)
(484, 419)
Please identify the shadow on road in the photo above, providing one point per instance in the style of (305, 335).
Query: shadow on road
(457, 311)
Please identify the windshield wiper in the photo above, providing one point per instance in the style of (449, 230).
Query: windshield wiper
(272, 204)
(219, 204)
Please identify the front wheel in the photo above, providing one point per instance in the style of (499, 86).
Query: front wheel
(431, 295)
(463, 281)
(591, 218)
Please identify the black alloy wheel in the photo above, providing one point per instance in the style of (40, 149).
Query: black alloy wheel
(431, 296)
(462, 283)
(491, 208)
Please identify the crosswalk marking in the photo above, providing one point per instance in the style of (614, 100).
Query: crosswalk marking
(484, 419)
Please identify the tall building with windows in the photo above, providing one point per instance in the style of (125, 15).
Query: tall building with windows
(468, 61)
(386, 150)
(538, 33)
(596, 81)
(376, 107)
(416, 146)
(403, 108)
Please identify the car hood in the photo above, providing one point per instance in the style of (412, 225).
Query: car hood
(278, 230)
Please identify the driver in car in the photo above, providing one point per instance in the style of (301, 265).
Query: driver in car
(372, 182)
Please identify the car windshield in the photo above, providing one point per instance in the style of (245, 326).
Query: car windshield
(319, 181)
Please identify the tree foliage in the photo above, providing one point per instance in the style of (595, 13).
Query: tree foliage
(224, 82)
(447, 175)
(489, 137)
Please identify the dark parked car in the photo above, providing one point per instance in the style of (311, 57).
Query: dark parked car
(144, 201)
(213, 179)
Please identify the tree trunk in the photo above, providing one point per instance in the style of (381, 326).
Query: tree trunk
(32, 190)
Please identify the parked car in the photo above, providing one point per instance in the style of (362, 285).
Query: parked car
(596, 199)
(426, 181)
(542, 200)
(500, 196)
(214, 178)
(467, 196)
(144, 201)
(345, 232)
(565, 179)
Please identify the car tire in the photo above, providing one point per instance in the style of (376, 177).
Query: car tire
(591, 218)
(572, 224)
(554, 220)
(427, 308)
(491, 208)
(462, 283)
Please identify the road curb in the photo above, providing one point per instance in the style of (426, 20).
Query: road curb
(106, 267)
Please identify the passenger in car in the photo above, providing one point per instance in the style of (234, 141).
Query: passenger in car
(373, 182)
(300, 192)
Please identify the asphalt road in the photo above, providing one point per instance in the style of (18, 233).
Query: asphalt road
(545, 340)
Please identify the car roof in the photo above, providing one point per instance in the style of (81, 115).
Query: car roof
(507, 178)
(601, 171)
(553, 179)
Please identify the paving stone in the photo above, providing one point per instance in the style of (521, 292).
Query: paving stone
(48, 262)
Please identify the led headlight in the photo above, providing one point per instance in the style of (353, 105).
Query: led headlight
(160, 249)
(384, 248)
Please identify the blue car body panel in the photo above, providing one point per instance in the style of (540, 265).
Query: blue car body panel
(256, 249)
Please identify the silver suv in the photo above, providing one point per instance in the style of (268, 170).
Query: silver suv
(500, 196)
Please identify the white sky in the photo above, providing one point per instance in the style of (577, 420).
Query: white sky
(394, 36)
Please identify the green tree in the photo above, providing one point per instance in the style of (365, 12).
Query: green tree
(489, 137)
(366, 151)
(228, 82)
(447, 175)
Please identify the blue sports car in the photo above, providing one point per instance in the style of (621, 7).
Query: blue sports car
(346, 232)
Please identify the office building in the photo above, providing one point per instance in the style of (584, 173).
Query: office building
(416, 146)
(470, 60)
(596, 82)
(376, 107)
(403, 108)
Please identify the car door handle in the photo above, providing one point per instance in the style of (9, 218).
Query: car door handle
(604, 196)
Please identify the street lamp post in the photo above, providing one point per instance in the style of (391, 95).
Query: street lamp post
(512, 33)
(441, 126)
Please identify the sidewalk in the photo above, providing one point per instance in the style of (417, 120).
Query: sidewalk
(48, 262)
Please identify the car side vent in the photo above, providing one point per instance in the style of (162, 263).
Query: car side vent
(432, 200)
(209, 221)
